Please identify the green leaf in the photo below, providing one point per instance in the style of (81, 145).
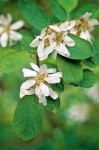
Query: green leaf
(59, 87)
(72, 70)
(53, 105)
(68, 5)
(28, 117)
(13, 60)
(96, 56)
(58, 12)
(82, 49)
(91, 8)
(89, 79)
(89, 62)
(33, 14)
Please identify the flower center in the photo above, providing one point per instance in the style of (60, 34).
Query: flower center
(7, 29)
(84, 24)
(81, 25)
(40, 79)
(58, 37)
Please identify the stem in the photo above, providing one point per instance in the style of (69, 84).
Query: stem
(37, 59)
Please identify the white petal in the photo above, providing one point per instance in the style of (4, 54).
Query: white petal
(27, 84)
(43, 69)
(71, 25)
(50, 48)
(57, 74)
(44, 89)
(86, 15)
(34, 66)
(45, 56)
(53, 94)
(40, 49)
(93, 22)
(1, 30)
(86, 35)
(55, 27)
(15, 36)
(28, 73)
(64, 25)
(43, 100)
(52, 80)
(68, 25)
(43, 32)
(9, 18)
(52, 70)
(4, 39)
(26, 92)
(62, 50)
(38, 91)
(17, 25)
(70, 42)
(35, 42)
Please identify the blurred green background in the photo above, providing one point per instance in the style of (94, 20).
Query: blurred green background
(74, 127)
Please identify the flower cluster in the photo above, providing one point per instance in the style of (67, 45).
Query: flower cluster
(54, 38)
(93, 92)
(8, 34)
(78, 112)
(84, 26)
(39, 83)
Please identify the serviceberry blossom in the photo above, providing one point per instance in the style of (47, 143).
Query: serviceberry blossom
(54, 38)
(93, 93)
(8, 34)
(39, 82)
(84, 26)
(78, 112)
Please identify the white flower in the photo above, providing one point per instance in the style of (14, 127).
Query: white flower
(78, 112)
(39, 82)
(54, 38)
(84, 26)
(8, 34)
(93, 93)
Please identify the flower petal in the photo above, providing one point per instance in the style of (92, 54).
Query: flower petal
(52, 80)
(53, 94)
(71, 25)
(27, 84)
(9, 18)
(17, 25)
(28, 73)
(86, 15)
(1, 30)
(62, 50)
(34, 66)
(55, 28)
(42, 98)
(50, 48)
(35, 42)
(26, 92)
(4, 39)
(43, 69)
(44, 89)
(52, 70)
(70, 42)
(93, 22)
(85, 35)
(57, 74)
(40, 49)
(15, 36)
